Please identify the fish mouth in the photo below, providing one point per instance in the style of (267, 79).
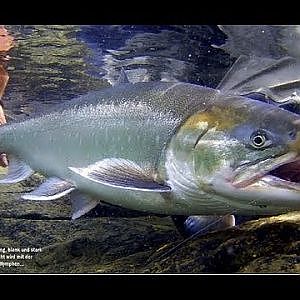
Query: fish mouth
(287, 175)
(277, 172)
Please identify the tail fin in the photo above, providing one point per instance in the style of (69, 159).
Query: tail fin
(280, 79)
(263, 65)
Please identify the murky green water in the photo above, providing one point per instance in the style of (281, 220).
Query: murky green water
(55, 63)
(48, 64)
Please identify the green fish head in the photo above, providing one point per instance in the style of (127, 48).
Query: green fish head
(243, 150)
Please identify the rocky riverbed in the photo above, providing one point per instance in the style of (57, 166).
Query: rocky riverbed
(115, 240)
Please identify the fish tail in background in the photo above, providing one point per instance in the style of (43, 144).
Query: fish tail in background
(278, 79)
(268, 63)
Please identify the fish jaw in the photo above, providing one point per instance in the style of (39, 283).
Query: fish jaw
(263, 184)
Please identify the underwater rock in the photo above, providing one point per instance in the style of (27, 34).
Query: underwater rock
(267, 245)
(115, 240)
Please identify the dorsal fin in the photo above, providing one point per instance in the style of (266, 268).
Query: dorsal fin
(122, 78)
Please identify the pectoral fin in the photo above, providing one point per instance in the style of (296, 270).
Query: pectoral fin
(81, 204)
(121, 173)
(51, 189)
(17, 171)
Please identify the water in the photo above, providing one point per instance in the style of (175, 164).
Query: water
(50, 64)
(53, 64)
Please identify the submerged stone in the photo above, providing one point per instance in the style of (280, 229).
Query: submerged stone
(114, 240)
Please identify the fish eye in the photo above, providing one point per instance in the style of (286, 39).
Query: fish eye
(259, 140)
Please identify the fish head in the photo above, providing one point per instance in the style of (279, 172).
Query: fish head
(245, 151)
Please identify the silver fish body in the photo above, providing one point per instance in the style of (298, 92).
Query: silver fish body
(182, 135)
(131, 121)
